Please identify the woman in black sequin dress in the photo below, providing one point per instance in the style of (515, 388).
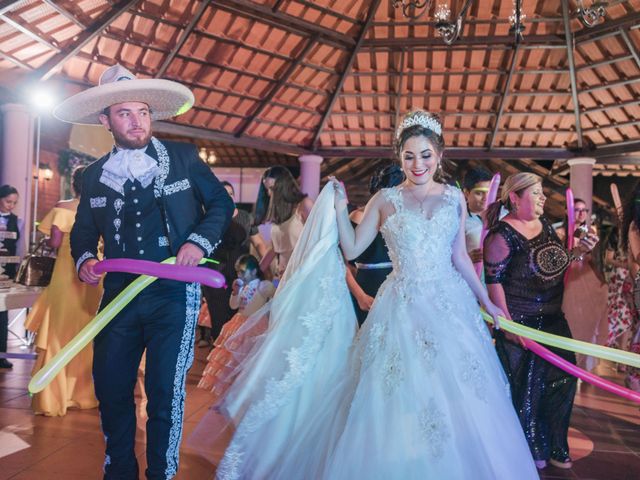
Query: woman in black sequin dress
(524, 269)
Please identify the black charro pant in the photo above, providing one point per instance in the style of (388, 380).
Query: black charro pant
(162, 320)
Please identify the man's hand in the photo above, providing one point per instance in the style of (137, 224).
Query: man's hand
(189, 255)
(86, 273)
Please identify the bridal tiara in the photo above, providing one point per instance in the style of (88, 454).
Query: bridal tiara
(420, 118)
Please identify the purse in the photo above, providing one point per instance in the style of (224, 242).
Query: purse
(36, 268)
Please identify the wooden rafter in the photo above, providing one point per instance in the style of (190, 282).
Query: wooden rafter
(238, 69)
(620, 160)
(310, 43)
(556, 180)
(505, 94)
(610, 85)
(626, 146)
(276, 5)
(14, 60)
(632, 123)
(568, 35)
(398, 94)
(547, 41)
(611, 106)
(65, 13)
(92, 31)
(7, 5)
(10, 19)
(228, 138)
(605, 28)
(352, 56)
(266, 15)
(632, 48)
(454, 153)
(183, 38)
(602, 63)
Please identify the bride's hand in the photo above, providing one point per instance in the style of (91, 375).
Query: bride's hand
(495, 312)
(340, 195)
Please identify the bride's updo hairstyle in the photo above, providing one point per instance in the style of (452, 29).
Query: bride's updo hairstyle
(420, 123)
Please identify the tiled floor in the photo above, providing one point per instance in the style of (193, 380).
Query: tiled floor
(605, 435)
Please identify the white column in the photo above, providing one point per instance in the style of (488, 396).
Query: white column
(310, 175)
(16, 167)
(581, 178)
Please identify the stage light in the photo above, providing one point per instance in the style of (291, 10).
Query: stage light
(41, 98)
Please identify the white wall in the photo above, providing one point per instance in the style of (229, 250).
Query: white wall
(245, 181)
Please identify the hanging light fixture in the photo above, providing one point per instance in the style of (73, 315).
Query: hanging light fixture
(592, 16)
(516, 19)
(412, 8)
(45, 171)
(448, 30)
(207, 156)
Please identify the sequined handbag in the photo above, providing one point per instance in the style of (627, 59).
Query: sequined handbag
(36, 267)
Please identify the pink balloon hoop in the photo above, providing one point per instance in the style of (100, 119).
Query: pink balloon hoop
(571, 218)
(571, 226)
(181, 273)
(578, 372)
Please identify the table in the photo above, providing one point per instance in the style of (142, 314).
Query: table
(19, 297)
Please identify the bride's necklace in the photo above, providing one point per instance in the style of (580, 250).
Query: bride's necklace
(420, 202)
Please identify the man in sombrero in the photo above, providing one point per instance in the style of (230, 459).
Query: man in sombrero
(147, 199)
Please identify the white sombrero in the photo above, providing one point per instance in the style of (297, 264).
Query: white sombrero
(165, 98)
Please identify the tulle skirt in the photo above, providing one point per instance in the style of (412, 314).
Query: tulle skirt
(430, 399)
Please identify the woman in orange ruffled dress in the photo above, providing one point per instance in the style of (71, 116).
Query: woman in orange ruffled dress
(249, 292)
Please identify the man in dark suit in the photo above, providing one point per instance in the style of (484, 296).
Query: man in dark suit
(148, 200)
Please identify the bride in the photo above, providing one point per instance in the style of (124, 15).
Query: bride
(420, 394)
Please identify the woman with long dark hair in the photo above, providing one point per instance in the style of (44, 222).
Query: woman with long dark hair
(281, 203)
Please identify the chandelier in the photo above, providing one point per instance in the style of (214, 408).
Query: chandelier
(448, 30)
(207, 156)
(516, 19)
(592, 16)
(412, 8)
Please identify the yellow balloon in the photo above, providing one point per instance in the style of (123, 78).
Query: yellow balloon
(48, 372)
(577, 346)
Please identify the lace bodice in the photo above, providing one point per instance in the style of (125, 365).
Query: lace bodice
(420, 247)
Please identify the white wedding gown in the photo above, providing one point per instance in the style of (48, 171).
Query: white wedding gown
(421, 394)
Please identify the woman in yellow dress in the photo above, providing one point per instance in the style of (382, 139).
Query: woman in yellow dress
(61, 311)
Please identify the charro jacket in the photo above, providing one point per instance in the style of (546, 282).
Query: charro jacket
(184, 203)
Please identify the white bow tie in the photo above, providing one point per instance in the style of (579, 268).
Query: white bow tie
(126, 165)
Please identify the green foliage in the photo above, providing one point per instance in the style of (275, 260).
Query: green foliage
(69, 159)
